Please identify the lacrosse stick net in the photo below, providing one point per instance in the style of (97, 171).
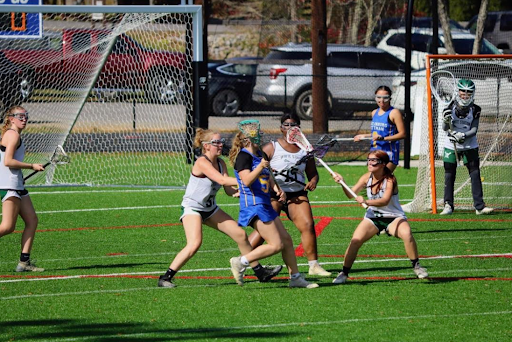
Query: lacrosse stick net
(59, 157)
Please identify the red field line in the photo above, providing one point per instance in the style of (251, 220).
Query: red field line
(319, 227)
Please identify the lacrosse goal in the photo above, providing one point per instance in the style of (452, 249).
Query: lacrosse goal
(113, 85)
(492, 76)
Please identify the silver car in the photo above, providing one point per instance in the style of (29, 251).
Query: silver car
(284, 78)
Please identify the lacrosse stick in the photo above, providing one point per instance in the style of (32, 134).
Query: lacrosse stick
(325, 139)
(295, 136)
(59, 157)
(459, 162)
(251, 130)
(444, 89)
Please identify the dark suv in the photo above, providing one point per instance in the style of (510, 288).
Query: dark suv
(284, 78)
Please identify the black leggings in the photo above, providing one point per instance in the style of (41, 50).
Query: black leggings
(450, 171)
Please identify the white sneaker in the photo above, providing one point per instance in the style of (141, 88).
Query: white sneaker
(484, 211)
(447, 210)
(301, 282)
(238, 270)
(317, 270)
(421, 272)
(340, 279)
(28, 266)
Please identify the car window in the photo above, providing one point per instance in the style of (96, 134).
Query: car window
(420, 42)
(490, 21)
(380, 61)
(343, 60)
(465, 46)
(506, 22)
(239, 69)
(288, 55)
(397, 40)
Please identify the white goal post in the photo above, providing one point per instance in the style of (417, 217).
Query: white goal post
(114, 85)
(492, 76)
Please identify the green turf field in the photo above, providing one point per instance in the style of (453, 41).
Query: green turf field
(103, 250)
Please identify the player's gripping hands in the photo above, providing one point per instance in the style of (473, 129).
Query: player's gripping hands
(457, 137)
(447, 116)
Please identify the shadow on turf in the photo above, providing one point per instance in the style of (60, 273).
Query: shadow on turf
(461, 230)
(65, 328)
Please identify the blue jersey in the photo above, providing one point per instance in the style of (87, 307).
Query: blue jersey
(381, 125)
(258, 191)
(254, 199)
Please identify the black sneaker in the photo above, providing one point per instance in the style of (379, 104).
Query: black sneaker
(165, 282)
(269, 272)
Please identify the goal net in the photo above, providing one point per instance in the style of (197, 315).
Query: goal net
(492, 76)
(113, 85)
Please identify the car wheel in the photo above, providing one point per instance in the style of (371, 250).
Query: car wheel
(226, 103)
(304, 105)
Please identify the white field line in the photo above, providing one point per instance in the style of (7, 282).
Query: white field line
(170, 206)
(300, 324)
(17, 280)
(393, 241)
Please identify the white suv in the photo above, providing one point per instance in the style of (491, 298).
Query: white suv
(421, 40)
(284, 77)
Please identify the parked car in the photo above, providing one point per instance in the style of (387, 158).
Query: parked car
(386, 24)
(497, 29)
(284, 77)
(59, 59)
(421, 40)
(15, 87)
(230, 85)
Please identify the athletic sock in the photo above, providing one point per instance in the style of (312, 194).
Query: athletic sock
(346, 270)
(312, 263)
(259, 270)
(295, 275)
(244, 261)
(24, 257)
(415, 262)
(170, 273)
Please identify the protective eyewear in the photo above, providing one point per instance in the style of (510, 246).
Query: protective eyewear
(289, 124)
(216, 142)
(374, 161)
(384, 98)
(20, 116)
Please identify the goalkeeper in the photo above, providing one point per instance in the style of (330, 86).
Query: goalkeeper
(460, 121)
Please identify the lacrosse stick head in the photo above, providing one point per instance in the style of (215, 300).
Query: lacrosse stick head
(59, 156)
(295, 136)
(326, 140)
(443, 86)
(251, 130)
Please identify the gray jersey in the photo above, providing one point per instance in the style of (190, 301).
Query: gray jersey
(12, 178)
(288, 174)
(391, 210)
(201, 192)
(463, 125)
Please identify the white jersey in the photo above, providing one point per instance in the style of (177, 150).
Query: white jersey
(288, 173)
(462, 125)
(391, 210)
(12, 179)
(201, 192)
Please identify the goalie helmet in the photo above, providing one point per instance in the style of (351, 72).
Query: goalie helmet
(467, 87)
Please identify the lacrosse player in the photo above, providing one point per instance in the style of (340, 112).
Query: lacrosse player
(208, 175)
(15, 198)
(387, 127)
(291, 177)
(254, 182)
(460, 121)
(383, 215)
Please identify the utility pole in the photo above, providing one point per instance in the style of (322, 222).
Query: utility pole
(319, 54)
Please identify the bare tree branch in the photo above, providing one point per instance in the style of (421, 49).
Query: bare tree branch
(443, 18)
(482, 15)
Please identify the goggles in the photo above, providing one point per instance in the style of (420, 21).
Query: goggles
(384, 98)
(374, 161)
(289, 124)
(20, 116)
(216, 142)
